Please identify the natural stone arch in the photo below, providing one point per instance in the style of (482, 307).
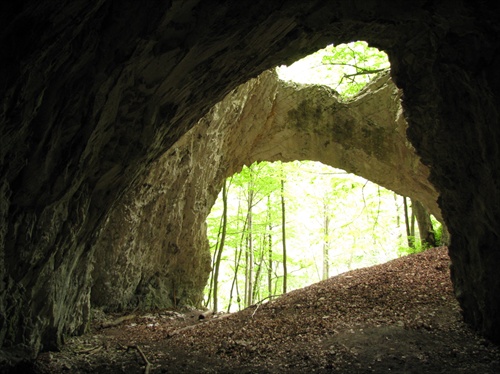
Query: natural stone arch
(154, 252)
(92, 94)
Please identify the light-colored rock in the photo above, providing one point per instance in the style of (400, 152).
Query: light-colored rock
(154, 252)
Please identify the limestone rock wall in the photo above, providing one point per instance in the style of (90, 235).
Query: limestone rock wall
(452, 101)
(153, 251)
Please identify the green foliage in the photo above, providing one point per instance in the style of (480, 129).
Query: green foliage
(356, 63)
(365, 226)
(334, 221)
(254, 192)
(438, 231)
(347, 68)
(417, 248)
(418, 245)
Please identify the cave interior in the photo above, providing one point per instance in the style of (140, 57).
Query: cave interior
(120, 121)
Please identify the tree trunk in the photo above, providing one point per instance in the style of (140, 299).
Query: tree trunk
(270, 250)
(221, 245)
(283, 227)
(256, 283)
(424, 222)
(214, 257)
(412, 223)
(249, 251)
(326, 241)
(237, 261)
(409, 236)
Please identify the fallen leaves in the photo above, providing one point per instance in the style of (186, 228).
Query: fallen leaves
(400, 317)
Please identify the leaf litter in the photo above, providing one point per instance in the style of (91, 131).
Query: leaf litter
(397, 317)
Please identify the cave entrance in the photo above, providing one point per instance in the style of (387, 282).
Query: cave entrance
(164, 236)
(278, 226)
(281, 226)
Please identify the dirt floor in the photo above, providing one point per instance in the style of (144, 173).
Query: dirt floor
(399, 317)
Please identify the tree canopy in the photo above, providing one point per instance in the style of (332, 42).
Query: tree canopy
(347, 68)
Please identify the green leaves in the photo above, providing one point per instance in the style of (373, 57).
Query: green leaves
(347, 68)
(365, 226)
(355, 63)
(335, 222)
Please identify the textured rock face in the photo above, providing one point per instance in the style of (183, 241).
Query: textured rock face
(153, 251)
(94, 93)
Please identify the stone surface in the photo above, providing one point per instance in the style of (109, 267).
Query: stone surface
(153, 252)
(94, 93)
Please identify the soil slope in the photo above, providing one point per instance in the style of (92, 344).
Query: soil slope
(398, 317)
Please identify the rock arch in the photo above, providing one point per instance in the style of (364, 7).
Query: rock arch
(154, 253)
(93, 94)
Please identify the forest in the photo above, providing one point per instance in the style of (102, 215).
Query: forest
(281, 226)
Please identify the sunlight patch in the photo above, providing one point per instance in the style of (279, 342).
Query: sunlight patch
(347, 68)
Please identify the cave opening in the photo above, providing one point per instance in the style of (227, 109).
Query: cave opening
(153, 252)
(346, 67)
(305, 221)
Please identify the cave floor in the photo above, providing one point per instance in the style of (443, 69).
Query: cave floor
(398, 317)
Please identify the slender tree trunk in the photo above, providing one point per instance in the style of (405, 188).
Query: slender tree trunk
(398, 216)
(411, 241)
(214, 257)
(270, 268)
(249, 252)
(221, 246)
(424, 224)
(245, 295)
(412, 222)
(283, 230)
(256, 283)
(269, 250)
(326, 241)
(250, 265)
(237, 260)
(413, 235)
(211, 280)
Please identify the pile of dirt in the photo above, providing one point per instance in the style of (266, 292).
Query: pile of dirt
(398, 317)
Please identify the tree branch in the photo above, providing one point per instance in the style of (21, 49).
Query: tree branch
(144, 358)
(365, 72)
